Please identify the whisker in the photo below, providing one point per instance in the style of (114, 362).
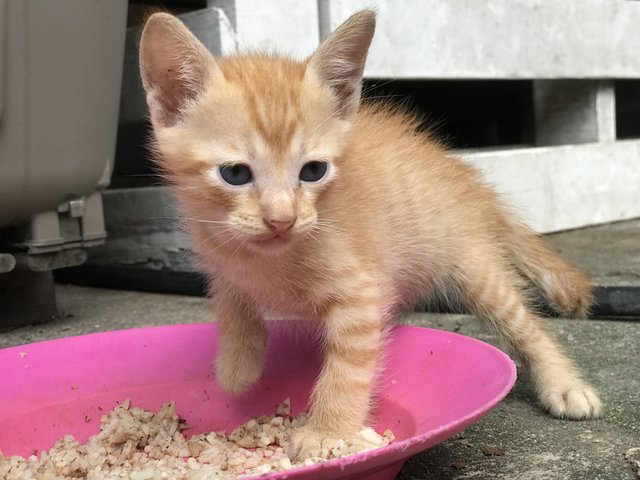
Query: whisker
(239, 245)
(326, 119)
(373, 86)
(202, 220)
(320, 212)
(377, 97)
(330, 226)
(314, 237)
(329, 230)
(202, 244)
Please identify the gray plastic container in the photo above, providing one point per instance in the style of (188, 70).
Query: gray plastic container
(60, 75)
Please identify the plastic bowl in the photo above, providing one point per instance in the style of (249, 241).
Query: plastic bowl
(434, 385)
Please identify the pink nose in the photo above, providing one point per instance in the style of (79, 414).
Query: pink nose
(280, 226)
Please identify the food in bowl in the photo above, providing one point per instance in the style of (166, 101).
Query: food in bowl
(139, 444)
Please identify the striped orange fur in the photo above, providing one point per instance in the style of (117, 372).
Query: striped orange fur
(393, 220)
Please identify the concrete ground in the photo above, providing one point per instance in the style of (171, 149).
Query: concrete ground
(523, 442)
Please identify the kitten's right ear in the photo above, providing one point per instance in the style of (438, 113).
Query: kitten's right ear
(174, 67)
(339, 61)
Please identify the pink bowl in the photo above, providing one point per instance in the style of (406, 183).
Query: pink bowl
(435, 384)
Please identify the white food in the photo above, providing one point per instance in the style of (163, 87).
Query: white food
(137, 444)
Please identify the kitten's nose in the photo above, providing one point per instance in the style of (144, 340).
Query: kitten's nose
(280, 225)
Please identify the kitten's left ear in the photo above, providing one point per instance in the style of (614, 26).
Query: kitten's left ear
(339, 61)
(174, 67)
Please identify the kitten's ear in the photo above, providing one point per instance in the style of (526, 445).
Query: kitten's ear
(339, 61)
(174, 67)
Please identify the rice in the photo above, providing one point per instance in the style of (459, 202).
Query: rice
(137, 444)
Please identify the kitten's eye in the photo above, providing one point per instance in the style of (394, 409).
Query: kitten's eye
(313, 171)
(236, 174)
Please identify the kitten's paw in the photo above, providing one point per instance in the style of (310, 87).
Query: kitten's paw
(237, 373)
(304, 443)
(576, 401)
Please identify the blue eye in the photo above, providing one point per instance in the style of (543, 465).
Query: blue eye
(313, 171)
(236, 174)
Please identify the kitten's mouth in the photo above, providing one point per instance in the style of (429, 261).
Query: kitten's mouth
(272, 241)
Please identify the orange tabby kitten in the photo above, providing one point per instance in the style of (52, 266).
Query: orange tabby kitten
(304, 202)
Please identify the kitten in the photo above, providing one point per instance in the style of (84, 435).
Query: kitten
(304, 202)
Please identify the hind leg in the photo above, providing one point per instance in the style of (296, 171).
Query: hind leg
(493, 292)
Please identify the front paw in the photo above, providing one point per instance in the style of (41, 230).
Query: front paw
(304, 443)
(237, 371)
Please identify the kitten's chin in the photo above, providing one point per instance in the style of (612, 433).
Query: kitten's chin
(271, 245)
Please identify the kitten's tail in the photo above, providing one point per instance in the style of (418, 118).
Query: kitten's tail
(568, 290)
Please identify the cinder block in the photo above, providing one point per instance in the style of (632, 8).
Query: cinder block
(564, 187)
